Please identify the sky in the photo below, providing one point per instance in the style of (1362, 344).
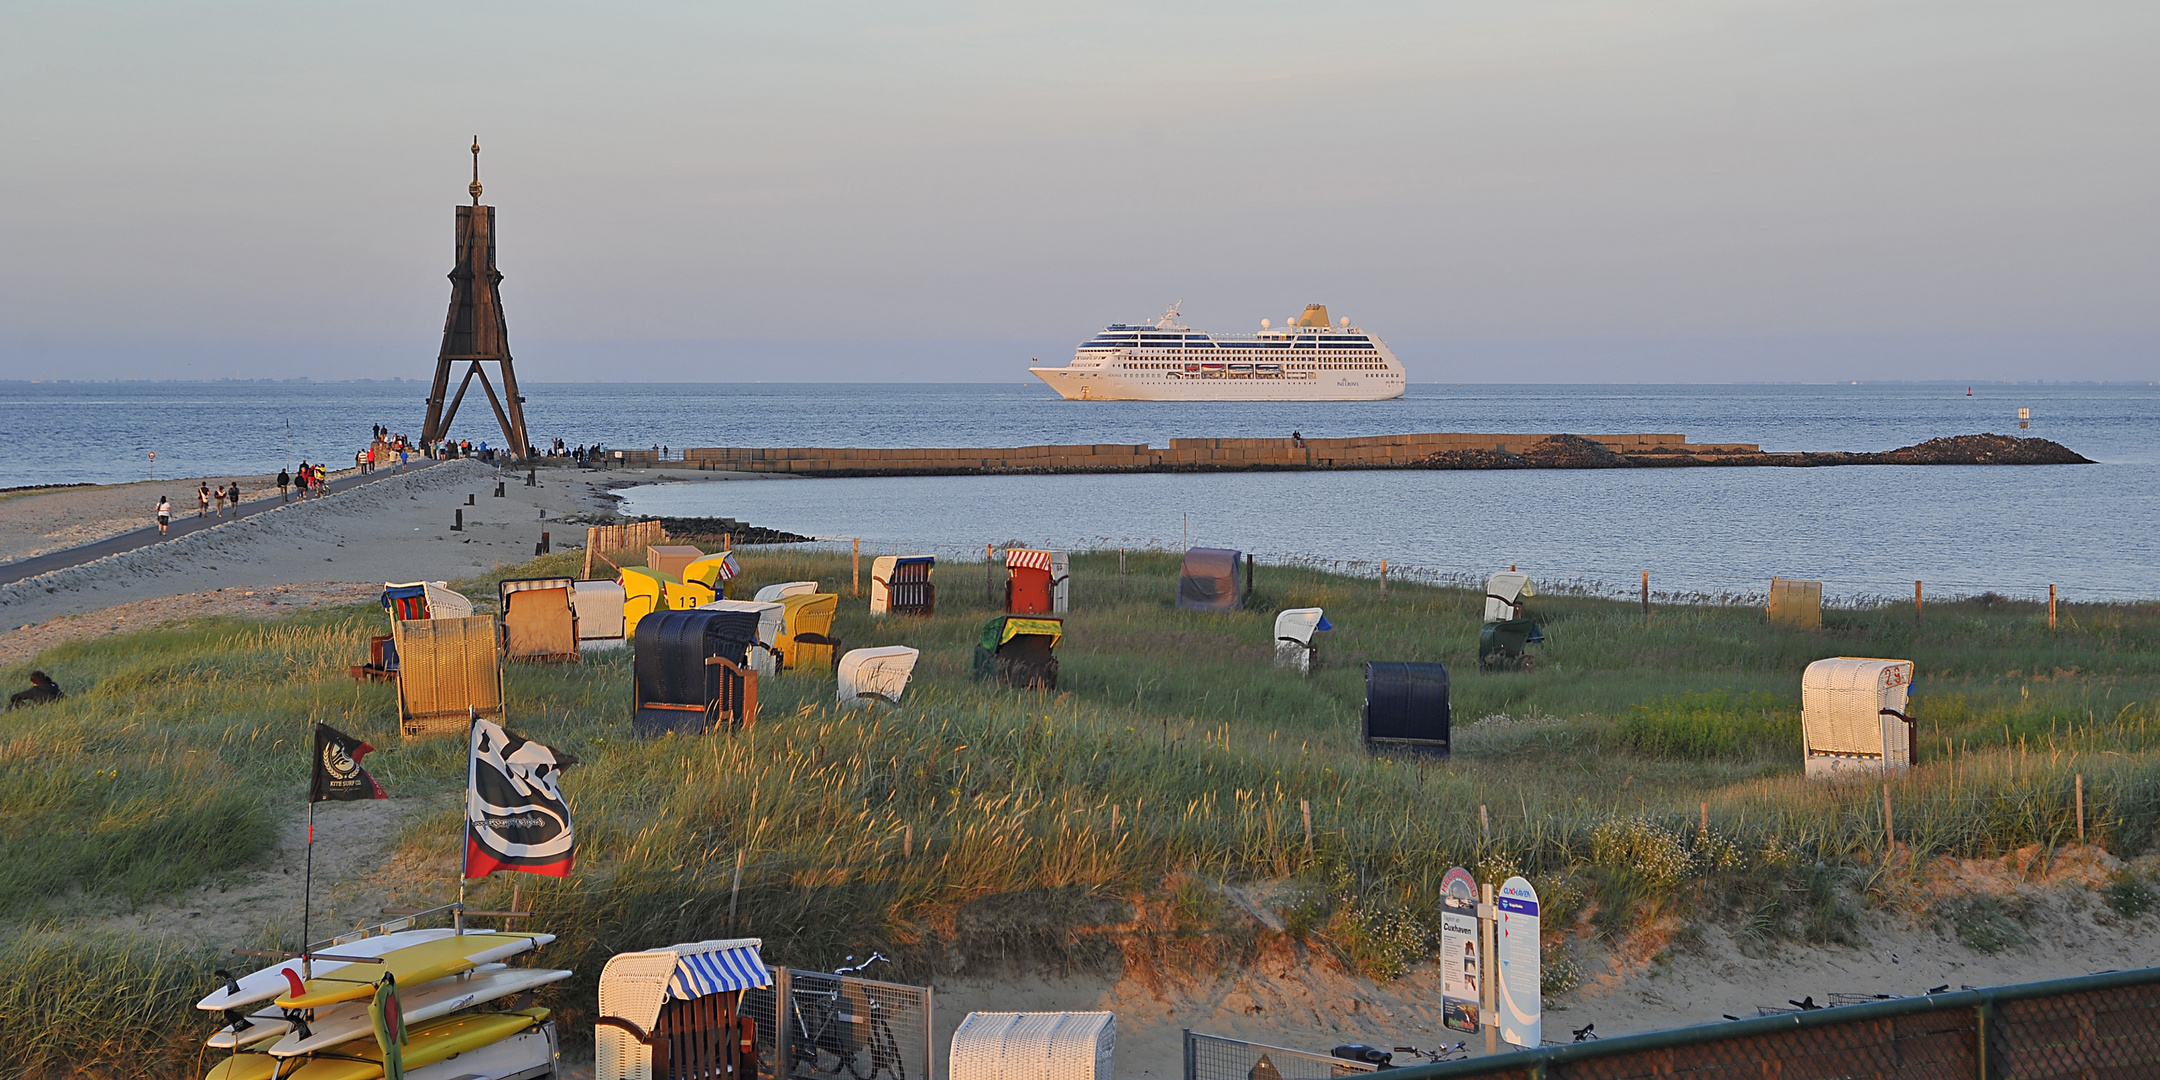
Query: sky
(1535, 190)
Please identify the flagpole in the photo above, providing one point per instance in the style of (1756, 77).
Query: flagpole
(465, 833)
(307, 892)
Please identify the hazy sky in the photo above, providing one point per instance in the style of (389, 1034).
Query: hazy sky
(1506, 191)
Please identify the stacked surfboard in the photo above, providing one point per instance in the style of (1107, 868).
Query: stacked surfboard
(283, 1028)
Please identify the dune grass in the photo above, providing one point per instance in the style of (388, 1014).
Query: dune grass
(971, 827)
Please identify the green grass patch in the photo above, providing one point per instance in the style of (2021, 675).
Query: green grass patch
(973, 827)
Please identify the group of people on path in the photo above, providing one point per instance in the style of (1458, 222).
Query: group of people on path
(210, 503)
(307, 477)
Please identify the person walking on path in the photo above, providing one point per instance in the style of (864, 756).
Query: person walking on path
(232, 495)
(300, 480)
(202, 500)
(284, 481)
(164, 514)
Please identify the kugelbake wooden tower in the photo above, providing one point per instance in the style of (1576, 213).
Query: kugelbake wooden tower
(474, 333)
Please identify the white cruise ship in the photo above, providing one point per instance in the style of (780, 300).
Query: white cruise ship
(1306, 359)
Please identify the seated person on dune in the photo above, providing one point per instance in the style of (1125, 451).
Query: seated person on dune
(42, 689)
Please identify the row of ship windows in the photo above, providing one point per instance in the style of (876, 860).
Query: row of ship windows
(1198, 340)
(1336, 346)
(1323, 366)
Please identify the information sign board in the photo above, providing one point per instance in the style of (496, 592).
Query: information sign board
(1461, 974)
(1521, 1002)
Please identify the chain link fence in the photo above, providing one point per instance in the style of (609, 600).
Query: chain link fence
(1213, 1057)
(2089, 1028)
(840, 1027)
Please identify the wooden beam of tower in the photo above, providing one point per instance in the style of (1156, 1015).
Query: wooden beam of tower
(475, 331)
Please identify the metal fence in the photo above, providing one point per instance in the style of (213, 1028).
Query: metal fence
(1213, 1057)
(2093, 1026)
(840, 1027)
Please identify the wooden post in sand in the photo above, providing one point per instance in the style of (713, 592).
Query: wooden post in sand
(1916, 601)
(2051, 607)
(1383, 579)
(1646, 595)
(2081, 807)
(855, 581)
(989, 574)
(735, 890)
(1305, 808)
(1889, 830)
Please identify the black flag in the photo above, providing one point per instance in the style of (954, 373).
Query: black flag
(338, 775)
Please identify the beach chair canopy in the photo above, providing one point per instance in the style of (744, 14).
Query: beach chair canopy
(1209, 580)
(772, 623)
(636, 987)
(1406, 707)
(876, 674)
(424, 600)
(774, 593)
(1854, 707)
(1037, 582)
(644, 592)
(1795, 603)
(1504, 594)
(448, 670)
(1294, 630)
(1044, 1045)
(599, 610)
(806, 639)
(713, 570)
(671, 558)
(1004, 628)
(900, 585)
(539, 619)
(674, 688)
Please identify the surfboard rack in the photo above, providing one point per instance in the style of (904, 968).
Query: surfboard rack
(471, 912)
(280, 954)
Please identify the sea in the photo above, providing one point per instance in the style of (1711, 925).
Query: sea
(1867, 532)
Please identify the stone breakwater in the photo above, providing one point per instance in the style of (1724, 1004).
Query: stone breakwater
(1423, 451)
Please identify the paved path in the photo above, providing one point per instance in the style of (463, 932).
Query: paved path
(181, 526)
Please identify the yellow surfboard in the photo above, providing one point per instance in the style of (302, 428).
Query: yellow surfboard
(425, 1044)
(247, 1067)
(413, 965)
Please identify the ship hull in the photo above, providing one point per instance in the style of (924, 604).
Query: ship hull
(1083, 384)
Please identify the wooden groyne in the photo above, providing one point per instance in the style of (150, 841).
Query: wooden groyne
(1420, 451)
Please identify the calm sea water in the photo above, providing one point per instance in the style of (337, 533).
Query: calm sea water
(1864, 531)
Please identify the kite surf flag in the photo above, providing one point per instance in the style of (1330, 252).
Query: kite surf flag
(515, 816)
(338, 776)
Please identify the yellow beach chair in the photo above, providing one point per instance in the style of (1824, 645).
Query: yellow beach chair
(805, 639)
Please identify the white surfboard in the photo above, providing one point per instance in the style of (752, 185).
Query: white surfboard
(262, 1025)
(268, 983)
(339, 1024)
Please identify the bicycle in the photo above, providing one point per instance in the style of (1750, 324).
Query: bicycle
(1438, 1054)
(827, 1020)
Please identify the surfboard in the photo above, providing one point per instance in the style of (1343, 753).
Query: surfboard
(268, 983)
(344, 1023)
(412, 965)
(246, 1067)
(261, 1026)
(425, 1044)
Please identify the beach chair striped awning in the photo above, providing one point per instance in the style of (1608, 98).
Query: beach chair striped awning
(715, 967)
(1027, 559)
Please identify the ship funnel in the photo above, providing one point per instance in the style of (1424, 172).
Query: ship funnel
(1315, 315)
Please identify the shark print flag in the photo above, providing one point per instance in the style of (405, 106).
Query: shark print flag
(515, 816)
